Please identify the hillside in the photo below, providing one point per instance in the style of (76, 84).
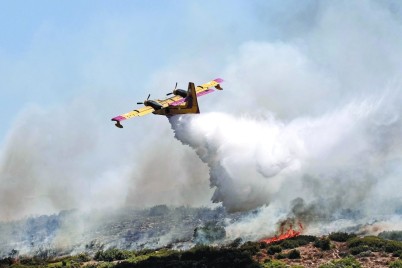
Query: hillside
(335, 250)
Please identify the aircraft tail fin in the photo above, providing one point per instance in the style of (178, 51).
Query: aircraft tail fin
(192, 101)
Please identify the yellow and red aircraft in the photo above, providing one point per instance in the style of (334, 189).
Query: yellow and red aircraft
(183, 102)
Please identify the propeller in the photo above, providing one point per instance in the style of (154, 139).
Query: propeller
(173, 90)
(149, 95)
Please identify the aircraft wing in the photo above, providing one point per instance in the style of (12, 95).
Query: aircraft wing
(205, 87)
(171, 101)
(202, 90)
(139, 112)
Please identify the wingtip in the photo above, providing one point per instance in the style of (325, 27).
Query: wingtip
(117, 124)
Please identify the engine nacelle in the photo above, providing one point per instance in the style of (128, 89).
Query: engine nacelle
(153, 104)
(180, 92)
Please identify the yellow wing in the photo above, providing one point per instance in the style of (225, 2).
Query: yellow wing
(214, 83)
(167, 102)
(139, 112)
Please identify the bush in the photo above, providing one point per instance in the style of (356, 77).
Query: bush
(391, 235)
(236, 243)
(113, 254)
(294, 254)
(359, 249)
(199, 256)
(83, 257)
(250, 248)
(373, 243)
(280, 256)
(340, 236)
(323, 244)
(274, 264)
(342, 263)
(274, 249)
(393, 246)
(397, 254)
(396, 264)
(6, 262)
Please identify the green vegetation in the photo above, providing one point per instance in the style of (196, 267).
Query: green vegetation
(294, 254)
(295, 242)
(274, 249)
(112, 255)
(396, 264)
(373, 243)
(391, 235)
(235, 254)
(251, 248)
(397, 254)
(340, 236)
(274, 264)
(323, 244)
(200, 256)
(342, 263)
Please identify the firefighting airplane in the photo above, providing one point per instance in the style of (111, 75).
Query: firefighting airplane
(183, 102)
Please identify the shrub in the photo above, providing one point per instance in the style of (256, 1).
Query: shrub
(391, 235)
(274, 264)
(393, 246)
(397, 254)
(113, 254)
(359, 249)
(274, 249)
(396, 264)
(294, 254)
(6, 262)
(340, 236)
(373, 243)
(250, 248)
(357, 245)
(289, 244)
(199, 256)
(323, 244)
(236, 243)
(83, 257)
(367, 253)
(280, 256)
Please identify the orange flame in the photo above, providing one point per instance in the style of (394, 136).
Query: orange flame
(284, 234)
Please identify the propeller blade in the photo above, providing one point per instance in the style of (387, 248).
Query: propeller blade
(140, 103)
(149, 96)
(175, 86)
(169, 94)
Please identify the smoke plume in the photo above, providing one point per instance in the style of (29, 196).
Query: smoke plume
(308, 126)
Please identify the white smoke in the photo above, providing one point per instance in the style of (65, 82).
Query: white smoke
(339, 160)
(252, 159)
(314, 115)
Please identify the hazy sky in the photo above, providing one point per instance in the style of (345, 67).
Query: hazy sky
(54, 51)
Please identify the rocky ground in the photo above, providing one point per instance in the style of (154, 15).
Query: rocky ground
(314, 257)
